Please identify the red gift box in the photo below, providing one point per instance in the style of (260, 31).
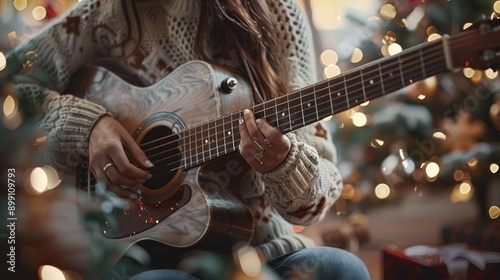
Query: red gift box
(449, 262)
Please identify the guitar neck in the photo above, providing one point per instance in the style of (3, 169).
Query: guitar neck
(308, 105)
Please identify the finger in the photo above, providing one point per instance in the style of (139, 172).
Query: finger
(121, 179)
(125, 168)
(251, 126)
(136, 153)
(116, 188)
(270, 133)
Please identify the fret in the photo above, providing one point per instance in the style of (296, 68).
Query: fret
(411, 67)
(346, 92)
(401, 74)
(205, 142)
(391, 74)
(236, 123)
(381, 78)
(324, 106)
(296, 116)
(198, 143)
(338, 93)
(259, 111)
(283, 113)
(354, 88)
(372, 82)
(185, 152)
(220, 139)
(309, 108)
(212, 139)
(228, 134)
(271, 113)
(422, 62)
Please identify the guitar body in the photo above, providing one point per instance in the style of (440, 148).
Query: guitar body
(198, 207)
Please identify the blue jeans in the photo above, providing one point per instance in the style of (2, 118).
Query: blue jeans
(312, 263)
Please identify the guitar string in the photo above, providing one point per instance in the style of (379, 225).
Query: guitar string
(217, 147)
(313, 93)
(300, 97)
(455, 38)
(236, 132)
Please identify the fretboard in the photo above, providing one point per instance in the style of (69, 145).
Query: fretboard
(308, 105)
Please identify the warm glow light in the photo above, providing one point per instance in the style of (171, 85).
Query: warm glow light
(494, 212)
(332, 70)
(469, 72)
(439, 136)
(433, 37)
(458, 175)
(327, 119)
(462, 193)
(421, 97)
(431, 170)
(415, 17)
(472, 162)
(382, 191)
(494, 168)
(48, 272)
(364, 104)
(326, 14)
(394, 48)
(249, 261)
(496, 7)
(348, 191)
(379, 142)
(39, 180)
(39, 13)
(467, 25)
(20, 4)
(329, 57)
(465, 188)
(3, 61)
(388, 11)
(490, 74)
(357, 55)
(9, 107)
(359, 119)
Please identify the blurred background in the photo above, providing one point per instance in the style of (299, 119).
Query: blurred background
(420, 166)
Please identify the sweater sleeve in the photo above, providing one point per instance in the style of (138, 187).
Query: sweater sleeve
(41, 68)
(308, 182)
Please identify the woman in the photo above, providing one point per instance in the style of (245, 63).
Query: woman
(293, 178)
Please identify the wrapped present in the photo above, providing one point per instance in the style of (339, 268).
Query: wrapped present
(452, 262)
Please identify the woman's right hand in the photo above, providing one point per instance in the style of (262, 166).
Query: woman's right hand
(115, 157)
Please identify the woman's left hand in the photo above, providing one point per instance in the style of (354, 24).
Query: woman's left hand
(262, 146)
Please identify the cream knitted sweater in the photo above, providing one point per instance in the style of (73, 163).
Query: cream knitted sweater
(299, 191)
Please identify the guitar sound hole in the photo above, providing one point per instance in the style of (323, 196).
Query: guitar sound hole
(161, 148)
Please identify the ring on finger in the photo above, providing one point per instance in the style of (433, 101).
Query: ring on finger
(267, 142)
(258, 145)
(107, 166)
(259, 155)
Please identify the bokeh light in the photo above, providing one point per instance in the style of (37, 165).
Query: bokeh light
(382, 191)
(48, 272)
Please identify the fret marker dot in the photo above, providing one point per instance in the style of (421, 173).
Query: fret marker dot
(282, 114)
(338, 94)
(371, 82)
(206, 141)
(308, 104)
(390, 74)
(229, 133)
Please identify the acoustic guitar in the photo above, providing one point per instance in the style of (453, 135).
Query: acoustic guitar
(187, 124)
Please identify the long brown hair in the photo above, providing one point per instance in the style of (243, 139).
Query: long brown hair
(254, 28)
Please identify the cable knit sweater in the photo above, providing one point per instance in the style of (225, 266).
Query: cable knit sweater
(299, 191)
